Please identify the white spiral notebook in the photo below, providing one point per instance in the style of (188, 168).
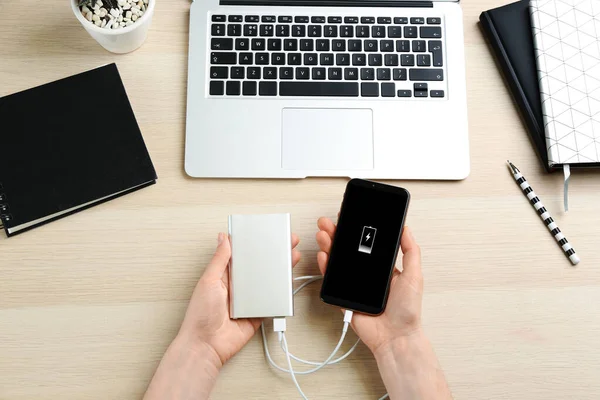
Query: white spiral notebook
(566, 40)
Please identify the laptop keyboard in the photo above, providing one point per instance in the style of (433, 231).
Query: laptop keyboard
(318, 56)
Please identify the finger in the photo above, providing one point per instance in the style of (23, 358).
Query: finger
(295, 257)
(295, 240)
(327, 225)
(322, 259)
(411, 261)
(324, 241)
(219, 262)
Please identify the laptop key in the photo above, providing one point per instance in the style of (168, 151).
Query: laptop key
(323, 45)
(395, 31)
(383, 74)
(278, 58)
(235, 18)
(219, 73)
(307, 44)
(423, 60)
(399, 74)
(400, 20)
(326, 59)
(334, 74)
(346, 31)
(420, 93)
(290, 44)
(218, 18)
(269, 73)
(417, 20)
(384, 20)
(362, 31)
(274, 44)
(351, 20)
(237, 72)
(249, 88)
(217, 88)
(266, 30)
(246, 58)
(434, 21)
(318, 73)
(430, 32)
(410, 32)
(330, 89)
(354, 45)
(250, 30)
(253, 73)
(435, 48)
(331, 31)
(334, 20)
(221, 44)
(420, 86)
(418, 46)
(284, 18)
(402, 46)
(369, 89)
(387, 45)
(267, 89)
(294, 59)
(252, 18)
(282, 30)
(301, 20)
(367, 74)
(317, 20)
(338, 45)
(390, 60)
(242, 44)
(258, 44)
(388, 90)
(404, 93)
(314, 30)
(371, 45)
(426, 74)
(298, 30)
(223, 58)
(351, 74)
(311, 59)
(268, 18)
(217, 30)
(437, 93)
(234, 30)
(407, 60)
(302, 73)
(342, 59)
(367, 20)
(359, 59)
(262, 58)
(378, 31)
(375, 59)
(286, 73)
(233, 88)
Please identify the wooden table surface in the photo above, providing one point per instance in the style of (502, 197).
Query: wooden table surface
(89, 303)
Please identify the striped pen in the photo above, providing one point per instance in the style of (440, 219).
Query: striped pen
(544, 214)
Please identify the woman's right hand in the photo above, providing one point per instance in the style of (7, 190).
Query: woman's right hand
(402, 316)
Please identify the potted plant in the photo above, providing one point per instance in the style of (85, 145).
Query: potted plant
(120, 26)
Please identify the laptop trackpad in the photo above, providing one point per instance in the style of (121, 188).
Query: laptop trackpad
(327, 139)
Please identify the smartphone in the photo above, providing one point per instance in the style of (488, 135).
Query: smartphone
(365, 246)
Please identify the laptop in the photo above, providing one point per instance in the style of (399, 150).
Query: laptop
(305, 88)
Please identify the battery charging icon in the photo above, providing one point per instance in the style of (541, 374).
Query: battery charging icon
(367, 239)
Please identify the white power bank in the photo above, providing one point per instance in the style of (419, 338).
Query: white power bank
(260, 271)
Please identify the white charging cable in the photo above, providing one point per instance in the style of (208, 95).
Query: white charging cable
(279, 326)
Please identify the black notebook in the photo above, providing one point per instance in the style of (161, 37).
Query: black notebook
(67, 146)
(508, 30)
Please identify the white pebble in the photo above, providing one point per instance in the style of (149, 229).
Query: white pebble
(145, 1)
(103, 23)
(85, 9)
(143, 8)
(99, 2)
(114, 13)
(122, 23)
(95, 18)
(122, 2)
(96, 7)
(103, 13)
(126, 19)
(134, 18)
(140, 4)
(135, 9)
(128, 14)
(127, 7)
(88, 16)
(97, 23)
(116, 26)
(109, 24)
(120, 18)
(129, 23)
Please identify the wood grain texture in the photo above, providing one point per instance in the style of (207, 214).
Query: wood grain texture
(89, 303)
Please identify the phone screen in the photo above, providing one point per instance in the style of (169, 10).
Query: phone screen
(365, 246)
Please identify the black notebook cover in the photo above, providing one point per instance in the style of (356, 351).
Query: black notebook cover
(508, 30)
(66, 146)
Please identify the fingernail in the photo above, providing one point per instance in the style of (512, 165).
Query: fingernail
(410, 234)
(220, 238)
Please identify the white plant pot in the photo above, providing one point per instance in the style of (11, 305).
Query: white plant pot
(122, 40)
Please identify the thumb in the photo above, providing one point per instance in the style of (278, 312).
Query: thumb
(411, 259)
(220, 260)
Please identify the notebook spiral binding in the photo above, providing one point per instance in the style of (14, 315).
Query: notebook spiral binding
(4, 215)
